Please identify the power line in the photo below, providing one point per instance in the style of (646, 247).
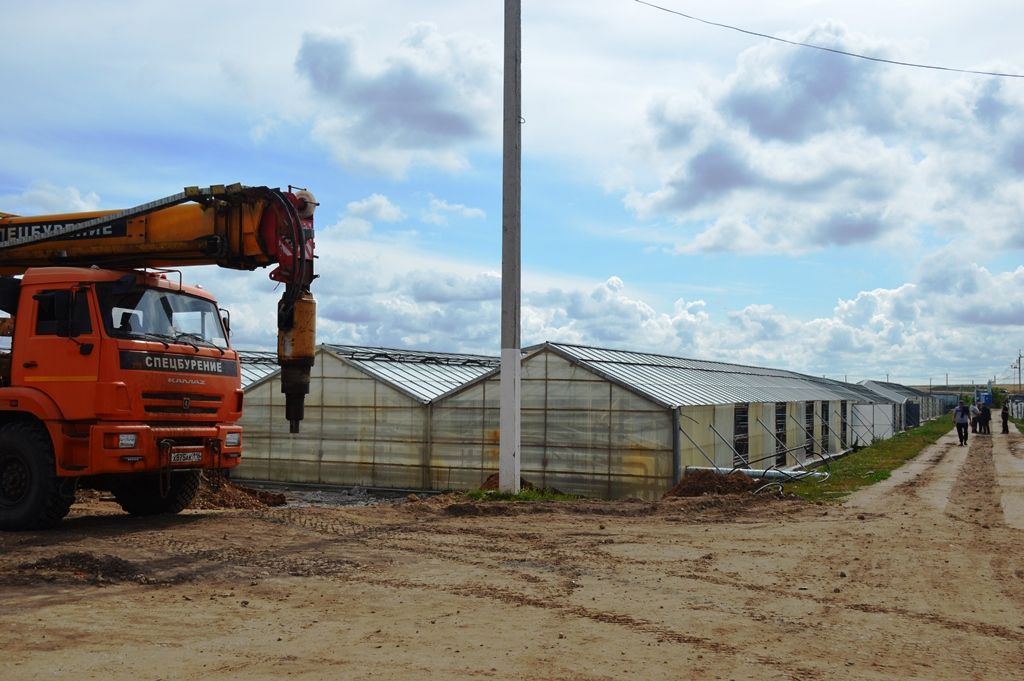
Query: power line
(829, 49)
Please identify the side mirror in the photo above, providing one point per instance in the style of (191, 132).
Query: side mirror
(226, 320)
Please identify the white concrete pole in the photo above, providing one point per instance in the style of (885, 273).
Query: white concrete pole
(511, 361)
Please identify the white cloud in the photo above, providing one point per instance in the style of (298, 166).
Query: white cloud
(352, 227)
(43, 198)
(426, 104)
(799, 150)
(376, 207)
(438, 210)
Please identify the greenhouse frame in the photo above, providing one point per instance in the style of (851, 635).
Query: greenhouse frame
(596, 422)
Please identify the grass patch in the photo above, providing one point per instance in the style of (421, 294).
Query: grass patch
(523, 495)
(1019, 423)
(870, 464)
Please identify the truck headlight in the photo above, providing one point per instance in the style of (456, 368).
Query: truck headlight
(233, 439)
(126, 440)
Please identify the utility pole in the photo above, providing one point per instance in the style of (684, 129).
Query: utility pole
(1018, 370)
(511, 356)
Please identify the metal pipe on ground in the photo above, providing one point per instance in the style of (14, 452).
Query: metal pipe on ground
(767, 474)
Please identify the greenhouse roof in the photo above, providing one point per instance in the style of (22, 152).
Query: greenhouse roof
(898, 393)
(256, 365)
(424, 376)
(670, 381)
(675, 381)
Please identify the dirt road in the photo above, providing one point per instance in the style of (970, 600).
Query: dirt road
(921, 577)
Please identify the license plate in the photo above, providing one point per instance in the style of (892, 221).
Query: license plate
(186, 457)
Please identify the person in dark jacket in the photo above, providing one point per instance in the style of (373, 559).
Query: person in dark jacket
(1005, 415)
(984, 420)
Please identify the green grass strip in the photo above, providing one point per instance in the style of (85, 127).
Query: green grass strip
(524, 495)
(870, 464)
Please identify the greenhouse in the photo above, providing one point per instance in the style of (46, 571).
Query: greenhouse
(913, 406)
(597, 422)
(367, 416)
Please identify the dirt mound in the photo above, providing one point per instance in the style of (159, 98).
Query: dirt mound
(80, 566)
(700, 483)
(491, 483)
(461, 506)
(216, 491)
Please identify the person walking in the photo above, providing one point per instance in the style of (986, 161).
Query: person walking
(1005, 415)
(985, 420)
(961, 417)
(975, 415)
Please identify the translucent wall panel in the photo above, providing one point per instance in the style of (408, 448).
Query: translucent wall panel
(577, 428)
(862, 417)
(696, 439)
(760, 442)
(724, 425)
(296, 460)
(579, 394)
(796, 435)
(262, 394)
(835, 426)
(255, 458)
(559, 368)
(650, 430)
(816, 443)
(356, 431)
(623, 400)
(464, 436)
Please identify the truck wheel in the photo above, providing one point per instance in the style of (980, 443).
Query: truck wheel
(32, 497)
(141, 494)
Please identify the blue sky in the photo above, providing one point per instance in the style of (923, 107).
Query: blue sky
(686, 189)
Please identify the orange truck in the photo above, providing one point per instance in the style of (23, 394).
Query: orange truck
(118, 376)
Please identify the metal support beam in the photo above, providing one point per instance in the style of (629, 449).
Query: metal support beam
(774, 435)
(735, 454)
(692, 441)
(803, 428)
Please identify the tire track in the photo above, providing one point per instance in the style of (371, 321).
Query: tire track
(636, 624)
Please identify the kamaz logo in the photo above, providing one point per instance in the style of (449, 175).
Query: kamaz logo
(187, 381)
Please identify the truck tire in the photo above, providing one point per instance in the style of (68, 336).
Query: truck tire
(141, 494)
(32, 496)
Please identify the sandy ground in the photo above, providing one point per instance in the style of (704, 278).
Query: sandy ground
(920, 577)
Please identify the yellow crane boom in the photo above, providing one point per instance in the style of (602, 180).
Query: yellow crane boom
(231, 226)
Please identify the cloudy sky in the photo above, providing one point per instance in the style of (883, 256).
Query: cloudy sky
(686, 189)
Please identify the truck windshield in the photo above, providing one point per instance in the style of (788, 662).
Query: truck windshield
(131, 311)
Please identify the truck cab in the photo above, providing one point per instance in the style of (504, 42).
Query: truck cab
(117, 373)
